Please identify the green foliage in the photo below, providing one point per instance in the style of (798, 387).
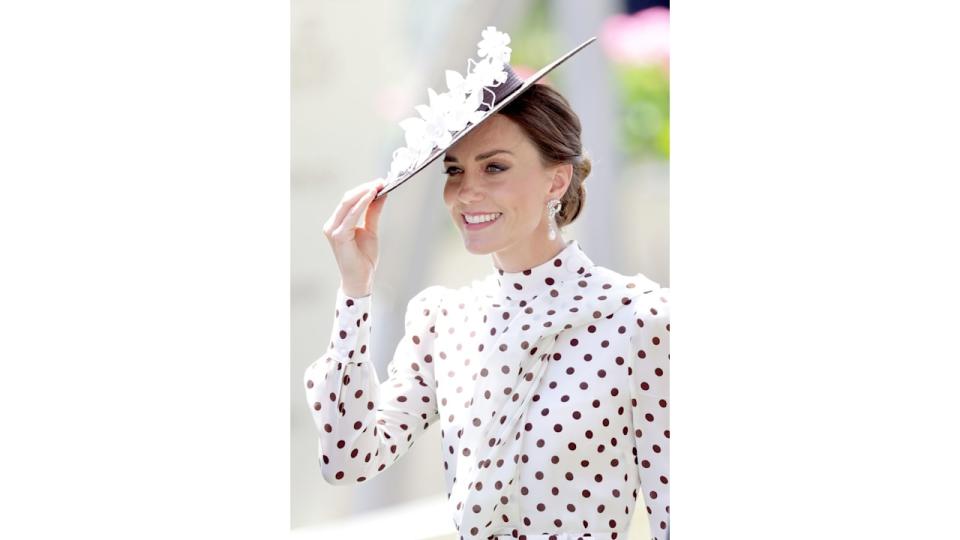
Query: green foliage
(644, 89)
(533, 41)
(645, 102)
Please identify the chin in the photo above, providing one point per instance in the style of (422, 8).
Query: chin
(478, 246)
(482, 242)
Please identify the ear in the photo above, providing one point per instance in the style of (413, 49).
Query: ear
(560, 177)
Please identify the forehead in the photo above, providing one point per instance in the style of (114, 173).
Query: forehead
(497, 131)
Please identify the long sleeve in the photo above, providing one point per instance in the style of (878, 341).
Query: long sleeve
(366, 425)
(650, 393)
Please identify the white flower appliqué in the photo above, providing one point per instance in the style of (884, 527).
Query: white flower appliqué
(450, 112)
(494, 45)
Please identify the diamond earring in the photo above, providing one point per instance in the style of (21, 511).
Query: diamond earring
(553, 207)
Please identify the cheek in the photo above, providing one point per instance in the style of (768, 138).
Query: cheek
(449, 194)
(512, 194)
(520, 203)
(451, 202)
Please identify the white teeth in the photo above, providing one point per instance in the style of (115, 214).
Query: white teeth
(481, 218)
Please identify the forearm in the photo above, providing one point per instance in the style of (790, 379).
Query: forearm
(366, 425)
(339, 386)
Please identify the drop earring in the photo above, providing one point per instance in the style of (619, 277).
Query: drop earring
(553, 208)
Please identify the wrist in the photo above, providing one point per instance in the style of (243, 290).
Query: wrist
(353, 291)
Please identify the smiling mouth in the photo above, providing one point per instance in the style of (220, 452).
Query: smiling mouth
(495, 215)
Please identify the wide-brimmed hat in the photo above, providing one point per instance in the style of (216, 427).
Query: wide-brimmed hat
(489, 86)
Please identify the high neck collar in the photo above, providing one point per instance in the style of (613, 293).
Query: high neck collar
(524, 285)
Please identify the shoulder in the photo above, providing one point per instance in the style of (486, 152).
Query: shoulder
(637, 283)
(639, 286)
(654, 303)
(431, 295)
(427, 301)
(648, 300)
(440, 296)
(650, 317)
(646, 318)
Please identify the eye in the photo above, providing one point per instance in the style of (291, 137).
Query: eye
(492, 168)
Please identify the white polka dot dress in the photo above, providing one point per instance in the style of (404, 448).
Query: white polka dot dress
(550, 386)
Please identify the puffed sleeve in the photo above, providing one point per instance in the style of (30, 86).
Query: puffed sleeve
(366, 425)
(649, 378)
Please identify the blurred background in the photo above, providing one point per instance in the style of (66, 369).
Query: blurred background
(359, 68)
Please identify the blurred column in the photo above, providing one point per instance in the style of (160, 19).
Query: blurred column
(589, 87)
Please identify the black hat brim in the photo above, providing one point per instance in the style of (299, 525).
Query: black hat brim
(527, 83)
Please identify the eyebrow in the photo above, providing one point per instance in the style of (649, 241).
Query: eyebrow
(484, 155)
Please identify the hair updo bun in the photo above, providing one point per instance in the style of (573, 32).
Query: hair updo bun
(576, 196)
(547, 119)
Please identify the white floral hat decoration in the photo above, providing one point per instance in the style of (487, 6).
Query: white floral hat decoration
(490, 84)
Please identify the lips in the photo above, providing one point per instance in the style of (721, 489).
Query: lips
(474, 226)
(481, 214)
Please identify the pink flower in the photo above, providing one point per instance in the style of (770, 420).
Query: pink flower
(523, 71)
(641, 38)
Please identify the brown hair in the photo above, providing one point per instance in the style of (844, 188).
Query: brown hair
(548, 120)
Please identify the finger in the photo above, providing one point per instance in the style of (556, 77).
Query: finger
(353, 216)
(350, 199)
(372, 218)
(356, 214)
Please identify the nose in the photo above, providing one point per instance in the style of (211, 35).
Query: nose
(469, 189)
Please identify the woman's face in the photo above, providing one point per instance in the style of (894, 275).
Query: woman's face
(511, 184)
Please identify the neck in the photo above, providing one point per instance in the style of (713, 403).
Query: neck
(522, 255)
(526, 284)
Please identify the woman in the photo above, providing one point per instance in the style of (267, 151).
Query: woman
(549, 378)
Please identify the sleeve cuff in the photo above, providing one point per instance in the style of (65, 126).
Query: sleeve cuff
(351, 315)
